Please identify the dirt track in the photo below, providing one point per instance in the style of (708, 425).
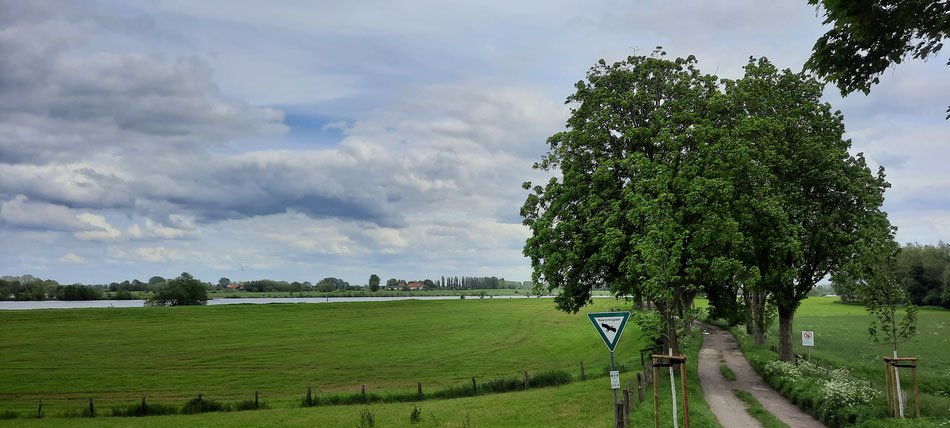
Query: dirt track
(729, 410)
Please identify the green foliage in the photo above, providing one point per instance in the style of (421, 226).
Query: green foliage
(250, 405)
(867, 37)
(331, 283)
(727, 373)
(122, 295)
(78, 292)
(374, 283)
(9, 414)
(415, 416)
(151, 409)
(805, 202)
(367, 419)
(224, 282)
(924, 272)
(202, 405)
(182, 291)
(156, 280)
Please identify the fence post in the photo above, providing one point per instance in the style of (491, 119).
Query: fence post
(419, 395)
(309, 397)
(256, 403)
(626, 407)
(363, 392)
(144, 408)
(525, 379)
(640, 387)
(474, 387)
(92, 409)
(619, 410)
(582, 371)
(39, 410)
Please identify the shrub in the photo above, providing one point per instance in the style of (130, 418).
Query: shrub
(415, 416)
(150, 410)
(549, 378)
(367, 419)
(250, 405)
(9, 414)
(181, 291)
(200, 405)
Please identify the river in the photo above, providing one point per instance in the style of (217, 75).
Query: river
(78, 304)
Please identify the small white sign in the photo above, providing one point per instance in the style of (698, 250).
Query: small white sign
(808, 338)
(614, 379)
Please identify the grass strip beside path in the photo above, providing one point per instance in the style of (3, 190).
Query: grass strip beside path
(758, 412)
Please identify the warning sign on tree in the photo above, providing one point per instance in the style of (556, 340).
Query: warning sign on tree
(610, 325)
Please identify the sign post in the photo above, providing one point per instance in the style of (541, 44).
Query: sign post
(808, 340)
(610, 326)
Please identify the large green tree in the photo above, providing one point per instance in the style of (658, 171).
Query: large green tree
(867, 37)
(638, 203)
(181, 291)
(806, 201)
(374, 282)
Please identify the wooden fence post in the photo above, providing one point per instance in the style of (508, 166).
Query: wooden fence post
(582, 371)
(640, 386)
(626, 407)
(619, 411)
(257, 404)
(144, 408)
(474, 387)
(92, 409)
(685, 393)
(363, 392)
(916, 397)
(309, 397)
(419, 394)
(39, 410)
(525, 379)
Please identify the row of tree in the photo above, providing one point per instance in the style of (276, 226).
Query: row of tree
(672, 182)
(923, 271)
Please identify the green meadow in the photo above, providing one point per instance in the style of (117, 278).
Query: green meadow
(841, 339)
(171, 354)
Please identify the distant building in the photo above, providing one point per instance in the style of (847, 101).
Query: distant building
(414, 285)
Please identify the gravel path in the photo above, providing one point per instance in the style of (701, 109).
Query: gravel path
(729, 410)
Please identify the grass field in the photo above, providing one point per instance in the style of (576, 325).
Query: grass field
(118, 355)
(841, 339)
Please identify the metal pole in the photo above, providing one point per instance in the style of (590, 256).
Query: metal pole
(616, 414)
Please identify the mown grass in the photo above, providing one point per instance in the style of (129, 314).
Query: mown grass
(755, 409)
(841, 340)
(727, 373)
(118, 355)
(577, 404)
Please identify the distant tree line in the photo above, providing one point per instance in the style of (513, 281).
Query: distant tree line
(923, 271)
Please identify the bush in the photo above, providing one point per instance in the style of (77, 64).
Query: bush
(182, 291)
(549, 378)
(415, 416)
(250, 405)
(367, 419)
(9, 414)
(200, 405)
(150, 410)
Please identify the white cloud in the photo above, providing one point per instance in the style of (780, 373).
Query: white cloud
(71, 258)
(20, 211)
(106, 232)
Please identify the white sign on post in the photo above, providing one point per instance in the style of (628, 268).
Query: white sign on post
(614, 379)
(808, 338)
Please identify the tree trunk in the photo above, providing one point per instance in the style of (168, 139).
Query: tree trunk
(638, 299)
(785, 317)
(667, 311)
(758, 312)
(747, 306)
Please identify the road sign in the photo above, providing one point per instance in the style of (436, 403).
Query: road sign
(610, 326)
(614, 379)
(808, 338)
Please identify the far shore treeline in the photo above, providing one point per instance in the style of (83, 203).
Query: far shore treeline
(29, 287)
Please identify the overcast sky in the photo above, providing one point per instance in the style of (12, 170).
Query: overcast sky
(300, 140)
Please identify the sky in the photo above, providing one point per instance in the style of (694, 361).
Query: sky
(298, 140)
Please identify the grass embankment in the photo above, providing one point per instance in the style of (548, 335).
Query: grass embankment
(118, 355)
(841, 340)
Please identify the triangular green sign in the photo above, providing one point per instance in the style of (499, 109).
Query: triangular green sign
(610, 326)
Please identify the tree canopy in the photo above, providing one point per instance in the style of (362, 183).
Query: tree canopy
(867, 37)
(182, 291)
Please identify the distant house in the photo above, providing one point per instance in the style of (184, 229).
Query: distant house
(234, 286)
(414, 285)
